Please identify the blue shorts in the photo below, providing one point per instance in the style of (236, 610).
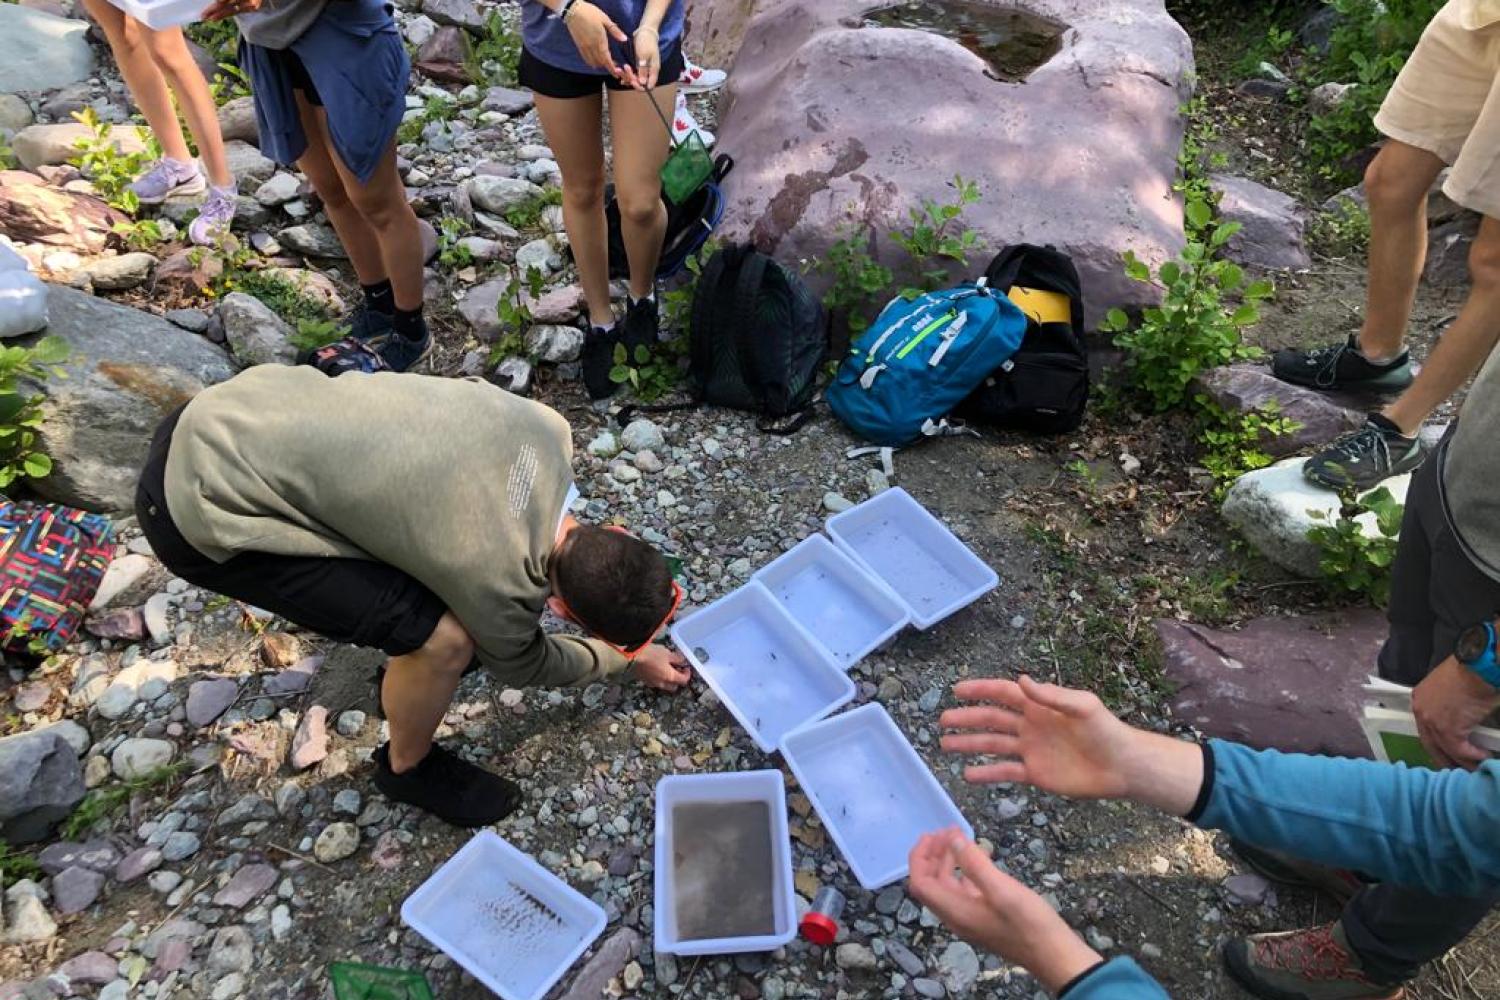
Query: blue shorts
(353, 64)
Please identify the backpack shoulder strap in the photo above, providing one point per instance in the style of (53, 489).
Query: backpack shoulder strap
(1005, 266)
(746, 314)
(706, 306)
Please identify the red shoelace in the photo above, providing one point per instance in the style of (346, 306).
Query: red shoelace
(1312, 954)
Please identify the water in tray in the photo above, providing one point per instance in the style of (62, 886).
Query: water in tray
(723, 867)
(534, 936)
(897, 556)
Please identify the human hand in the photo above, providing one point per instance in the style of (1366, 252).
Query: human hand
(988, 908)
(220, 9)
(592, 30)
(659, 667)
(1448, 704)
(647, 45)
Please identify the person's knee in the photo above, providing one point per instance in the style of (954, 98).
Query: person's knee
(450, 647)
(381, 209)
(1392, 183)
(330, 189)
(641, 208)
(584, 191)
(168, 51)
(1484, 263)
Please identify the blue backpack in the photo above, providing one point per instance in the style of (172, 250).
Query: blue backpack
(920, 358)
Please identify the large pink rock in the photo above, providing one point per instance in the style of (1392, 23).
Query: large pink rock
(832, 123)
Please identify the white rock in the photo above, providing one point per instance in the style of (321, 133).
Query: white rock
(337, 842)
(514, 374)
(643, 435)
(835, 502)
(140, 755)
(1272, 508)
(539, 254)
(155, 611)
(280, 189)
(28, 919)
(554, 344)
(125, 690)
(499, 194)
(122, 574)
(604, 445)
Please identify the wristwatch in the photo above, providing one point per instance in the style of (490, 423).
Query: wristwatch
(1475, 649)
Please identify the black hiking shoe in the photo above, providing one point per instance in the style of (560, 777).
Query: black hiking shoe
(1341, 366)
(1366, 458)
(366, 323)
(1339, 883)
(598, 358)
(641, 326)
(449, 787)
(400, 352)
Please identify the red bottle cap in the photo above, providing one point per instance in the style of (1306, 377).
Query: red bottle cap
(818, 928)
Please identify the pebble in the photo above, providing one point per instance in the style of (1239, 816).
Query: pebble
(164, 881)
(155, 615)
(958, 967)
(905, 958)
(28, 919)
(289, 798)
(209, 699)
(347, 801)
(337, 842)
(75, 889)
(889, 899)
(247, 885)
(180, 846)
(930, 988)
(138, 862)
(604, 445)
(310, 742)
(117, 989)
(930, 700)
(647, 462)
(835, 503)
(643, 435)
(855, 957)
(139, 756)
(350, 723)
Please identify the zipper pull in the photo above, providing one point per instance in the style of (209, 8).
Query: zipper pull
(949, 336)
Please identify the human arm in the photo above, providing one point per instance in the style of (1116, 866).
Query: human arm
(646, 41)
(591, 30)
(220, 9)
(544, 660)
(1448, 704)
(1432, 829)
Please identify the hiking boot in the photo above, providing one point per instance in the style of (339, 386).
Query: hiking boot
(684, 124)
(640, 326)
(598, 358)
(366, 324)
(449, 787)
(1339, 883)
(694, 79)
(1364, 459)
(214, 218)
(1311, 964)
(1341, 366)
(168, 177)
(400, 352)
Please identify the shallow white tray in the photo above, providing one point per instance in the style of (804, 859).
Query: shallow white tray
(848, 611)
(764, 667)
(734, 786)
(874, 794)
(512, 924)
(897, 539)
(163, 13)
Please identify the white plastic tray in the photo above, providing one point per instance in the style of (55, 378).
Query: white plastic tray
(764, 667)
(874, 794)
(846, 610)
(163, 13)
(512, 924)
(899, 541)
(737, 786)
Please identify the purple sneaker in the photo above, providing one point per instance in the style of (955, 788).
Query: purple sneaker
(214, 217)
(167, 177)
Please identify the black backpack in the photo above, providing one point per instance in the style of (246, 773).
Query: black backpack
(1044, 387)
(688, 224)
(757, 341)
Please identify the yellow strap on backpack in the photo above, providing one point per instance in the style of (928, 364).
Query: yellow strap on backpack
(1041, 305)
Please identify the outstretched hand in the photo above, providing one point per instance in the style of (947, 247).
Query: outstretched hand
(957, 881)
(659, 667)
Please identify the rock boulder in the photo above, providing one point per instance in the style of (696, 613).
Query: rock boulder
(128, 370)
(1248, 387)
(56, 50)
(1271, 224)
(47, 145)
(837, 125)
(40, 783)
(32, 211)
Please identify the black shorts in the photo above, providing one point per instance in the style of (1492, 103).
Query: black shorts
(355, 601)
(549, 81)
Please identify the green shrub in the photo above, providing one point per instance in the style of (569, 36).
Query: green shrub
(515, 315)
(1196, 327)
(528, 214)
(1351, 561)
(282, 296)
(17, 865)
(452, 253)
(108, 169)
(102, 803)
(1232, 444)
(856, 280)
(494, 59)
(21, 414)
(933, 241)
(1341, 231)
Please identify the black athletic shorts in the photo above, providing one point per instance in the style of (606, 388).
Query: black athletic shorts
(355, 601)
(549, 81)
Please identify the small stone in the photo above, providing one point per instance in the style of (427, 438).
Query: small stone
(28, 918)
(1247, 889)
(643, 435)
(121, 623)
(31, 697)
(279, 651)
(632, 977)
(591, 872)
(164, 882)
(647, 462)
(180, 846)
(888, 900)
(929, 701)
(337, 842)
(930, 988)
(1097, 939)
(75, 889)
(281, 922)
(958, 967)
(229, 987)
(310, 742)
(155, 614)
(876, 481)
(905, 958)
(836, 502)
(387, 851)
(247, 885)
(347, 801)
(140, 756)
(248, 808)
(231, 950)
(209, 699)
(280, 189)
(855, 957)
(289, 798)
(90, 968)
(350, 723)
(137, 863)
(604, 445)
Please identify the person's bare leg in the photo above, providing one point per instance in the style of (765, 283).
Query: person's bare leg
(1466, 344)
(1396, 186)
(573, 127)
(359, 240)
(169, 51)
(148, 88)
(641, 146)
(381, 202)
(418, 688)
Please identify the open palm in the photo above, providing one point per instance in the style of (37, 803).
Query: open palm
(1060, 740)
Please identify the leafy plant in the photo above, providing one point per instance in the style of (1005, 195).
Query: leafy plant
(1279, 40)
(933, 240)
(1351, 560)
(102, 803)
(652, 372)
(1195, 160)
(7, 154)
(21, 414)
(1085, 472)
(312, 334)
(514, 314)
(1195, 327)
(109, 169)
(677, 302)
(282, 296)
(857, 279)
(16, 865)
(528, 214)
(1341, 231)
(1233, 444)
(437, 109)
(496, 57)
(452, 253)
(141, 234)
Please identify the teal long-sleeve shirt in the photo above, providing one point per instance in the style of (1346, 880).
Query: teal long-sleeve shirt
(1439, 830)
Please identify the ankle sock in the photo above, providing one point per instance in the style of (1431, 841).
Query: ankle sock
(648, 297)
(602, 330)
(380, 297)
(1388, 426)
(409, 323)
(1377, 362)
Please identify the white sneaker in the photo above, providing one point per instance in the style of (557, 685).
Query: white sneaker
(684, 124)
(697, 80)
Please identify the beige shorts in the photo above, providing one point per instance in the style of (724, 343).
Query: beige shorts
(1446, 100)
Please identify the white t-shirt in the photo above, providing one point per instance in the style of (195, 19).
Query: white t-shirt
(567, 505)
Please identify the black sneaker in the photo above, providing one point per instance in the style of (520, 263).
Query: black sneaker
(1341, 366)
(641, 326)
(1364, 459)
(402, 353)
(449, 787)
(366, 324)
(598, 358)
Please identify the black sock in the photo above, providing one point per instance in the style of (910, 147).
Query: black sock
(1387, 425)
(380, 297)
(409, 323)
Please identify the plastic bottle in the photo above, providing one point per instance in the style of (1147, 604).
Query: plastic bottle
(820, 924)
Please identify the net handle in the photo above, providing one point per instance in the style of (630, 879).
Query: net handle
(671, 137)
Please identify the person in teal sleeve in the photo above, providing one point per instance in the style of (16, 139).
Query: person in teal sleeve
(1434, 830)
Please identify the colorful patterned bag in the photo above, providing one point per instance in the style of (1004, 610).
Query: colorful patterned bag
(51, 561)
